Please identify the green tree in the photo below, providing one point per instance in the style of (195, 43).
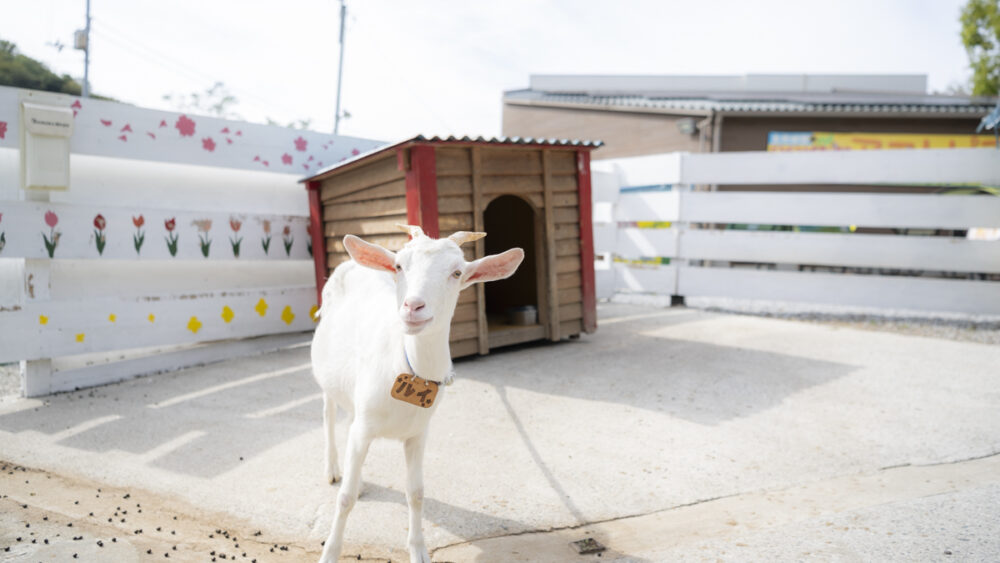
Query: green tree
(981, 36)
(216, 101)
(25, 72)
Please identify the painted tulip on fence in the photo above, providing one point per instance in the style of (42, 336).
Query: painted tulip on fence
(100, 239)
(288, 239)
(235, 240)
(204, 225)
(139, 237)
(171, 237)
(51, 241)
(266, 241)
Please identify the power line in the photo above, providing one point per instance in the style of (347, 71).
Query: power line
(185, 69)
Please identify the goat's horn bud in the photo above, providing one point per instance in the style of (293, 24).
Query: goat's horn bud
(462, 237)
(413, 230)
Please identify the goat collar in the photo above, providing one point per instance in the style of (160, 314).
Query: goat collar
(447, 381)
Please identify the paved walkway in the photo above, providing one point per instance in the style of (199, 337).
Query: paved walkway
(672, 434)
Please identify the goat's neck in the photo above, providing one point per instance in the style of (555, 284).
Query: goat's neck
(429, 355)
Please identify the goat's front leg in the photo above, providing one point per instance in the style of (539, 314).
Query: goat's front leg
(415, 497)
(358, 441)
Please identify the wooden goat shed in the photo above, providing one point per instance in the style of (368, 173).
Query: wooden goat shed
(530, 193)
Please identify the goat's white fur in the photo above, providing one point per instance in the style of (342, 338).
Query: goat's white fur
(374, 307)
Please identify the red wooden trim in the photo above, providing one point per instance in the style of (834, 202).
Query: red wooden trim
(318, 233)
(587, 282)
(421, 189)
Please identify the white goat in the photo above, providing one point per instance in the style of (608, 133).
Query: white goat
(389, 318)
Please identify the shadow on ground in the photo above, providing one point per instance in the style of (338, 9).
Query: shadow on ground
(204, 426)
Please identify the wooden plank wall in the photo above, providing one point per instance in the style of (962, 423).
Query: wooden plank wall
(471, 177)
(455, 213)
(366, 201)
(560, 171)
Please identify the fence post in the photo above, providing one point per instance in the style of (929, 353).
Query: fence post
(36, 375)
(678, 262)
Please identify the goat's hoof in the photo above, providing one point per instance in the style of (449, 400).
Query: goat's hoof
(419, 555)
(333, 477)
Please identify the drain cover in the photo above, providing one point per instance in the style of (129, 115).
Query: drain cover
(588, 545)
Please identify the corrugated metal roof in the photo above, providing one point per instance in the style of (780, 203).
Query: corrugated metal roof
(519, 141)
(508, 141)
(836, 102)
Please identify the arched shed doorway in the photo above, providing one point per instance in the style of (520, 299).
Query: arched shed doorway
(510, 222)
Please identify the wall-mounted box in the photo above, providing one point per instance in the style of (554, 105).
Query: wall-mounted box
(45, 134)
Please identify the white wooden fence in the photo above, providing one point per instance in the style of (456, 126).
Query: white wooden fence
(179, 239)
(645, 213)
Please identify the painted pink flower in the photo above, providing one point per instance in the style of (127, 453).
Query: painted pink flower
(355, 152)
(266, 225)
(235, 224)
(300, 144)
(286, 158)
(76, 104)
(170, 224)
(151, 135)
(286, 231)
(51, 219)
(185, 125)
(106, 122)
(3, 129)
(163, 123)
(256, 158)
(122, 138)
(208, 144)
(127, 127)
(100, 222)
(204, 225)
(138, 221)
(224, 130)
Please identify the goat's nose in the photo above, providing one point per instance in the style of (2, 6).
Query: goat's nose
(414, 303)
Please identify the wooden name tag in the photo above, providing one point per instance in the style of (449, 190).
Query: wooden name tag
(414, 390)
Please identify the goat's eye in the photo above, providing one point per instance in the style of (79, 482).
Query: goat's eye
(457, 274)
(399, 268)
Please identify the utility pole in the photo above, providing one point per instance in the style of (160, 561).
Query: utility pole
(81, 42)
(340, 67)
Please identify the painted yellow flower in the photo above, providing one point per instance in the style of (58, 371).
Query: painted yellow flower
(112, 317)
(43, 320)
(194, 325)
(227, 314)
(287, 315)
(79, 337)
(261, 307)
(314, 313)
(151, 317)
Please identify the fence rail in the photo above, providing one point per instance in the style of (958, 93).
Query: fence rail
(658, 236)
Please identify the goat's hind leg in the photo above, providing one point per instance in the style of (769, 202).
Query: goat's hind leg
(329, 422)
(414, 448)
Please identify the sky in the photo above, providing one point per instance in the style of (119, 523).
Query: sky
(439, 67)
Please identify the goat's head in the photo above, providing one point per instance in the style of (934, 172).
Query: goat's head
(429, 274)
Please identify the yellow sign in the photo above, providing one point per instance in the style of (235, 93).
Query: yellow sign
(826, 141)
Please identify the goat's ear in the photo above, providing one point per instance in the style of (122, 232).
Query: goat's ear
(493, 267)
(370, 255)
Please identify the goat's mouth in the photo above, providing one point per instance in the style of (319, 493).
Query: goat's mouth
(413, 326)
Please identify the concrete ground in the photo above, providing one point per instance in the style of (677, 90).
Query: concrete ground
(671, 434)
